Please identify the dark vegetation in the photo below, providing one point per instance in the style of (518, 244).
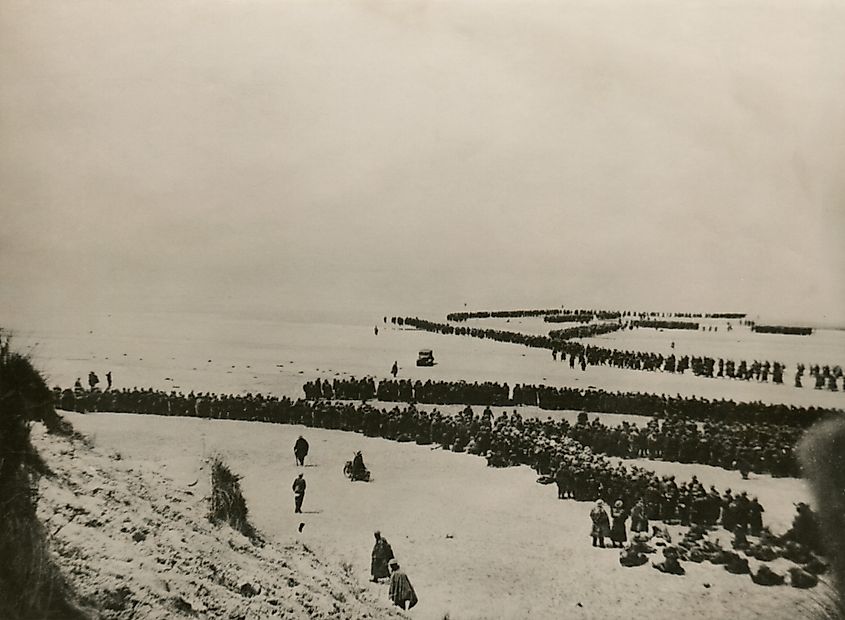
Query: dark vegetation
(31, 585)
(822, 453)
(227, 501)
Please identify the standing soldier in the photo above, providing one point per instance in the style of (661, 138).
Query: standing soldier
(601, 524)
(298, 492)
(401, 591)
(300, 450)
(382, 554)
(395, 370)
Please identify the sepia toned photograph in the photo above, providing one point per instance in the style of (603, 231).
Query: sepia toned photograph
(441, 310)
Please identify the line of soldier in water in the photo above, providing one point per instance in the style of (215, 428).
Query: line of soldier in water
(599, 314)
(581, 356)
(565, 398)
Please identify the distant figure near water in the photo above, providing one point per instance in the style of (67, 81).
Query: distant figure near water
(300, 450)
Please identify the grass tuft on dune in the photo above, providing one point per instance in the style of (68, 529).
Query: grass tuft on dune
(227, 501)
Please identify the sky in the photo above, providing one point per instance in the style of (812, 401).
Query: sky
(315, 158)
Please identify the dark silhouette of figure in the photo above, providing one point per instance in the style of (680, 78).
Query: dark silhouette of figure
(401, 591)
(382, 554)
(300, 450)
(395, 369)
(601, 524)
(108, 380)
(298, 492)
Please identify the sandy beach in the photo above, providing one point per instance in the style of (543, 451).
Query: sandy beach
(206, 353)
(477, 542)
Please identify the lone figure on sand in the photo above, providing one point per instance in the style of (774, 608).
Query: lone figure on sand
(300, 450)
(401, 590)
(395, 370)
(382, 554)
(601, 524)
(298, 492)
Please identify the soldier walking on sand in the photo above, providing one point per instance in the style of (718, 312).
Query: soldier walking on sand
(298, 492)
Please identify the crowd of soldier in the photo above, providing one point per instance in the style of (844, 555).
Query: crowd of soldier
(566, 398)
(760, 447)
(505, 440)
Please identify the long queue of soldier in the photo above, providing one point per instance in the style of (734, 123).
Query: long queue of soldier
(581, 355)
(505, 440)
(567, 398)
(760, 447)
(599, 314)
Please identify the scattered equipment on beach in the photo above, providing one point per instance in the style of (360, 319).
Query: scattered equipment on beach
(426, 358)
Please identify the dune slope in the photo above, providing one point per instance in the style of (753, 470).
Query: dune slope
(135, 546)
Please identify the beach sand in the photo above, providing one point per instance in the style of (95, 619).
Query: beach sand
(476, 542)
(206, 353)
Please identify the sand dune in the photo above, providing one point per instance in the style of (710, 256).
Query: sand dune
(134, 545)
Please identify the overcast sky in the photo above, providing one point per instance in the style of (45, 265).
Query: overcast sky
(279, 157)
